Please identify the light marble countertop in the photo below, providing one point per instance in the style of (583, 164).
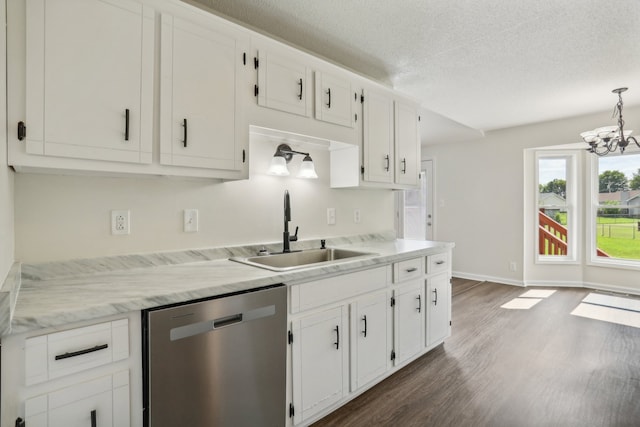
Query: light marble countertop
(57, 294)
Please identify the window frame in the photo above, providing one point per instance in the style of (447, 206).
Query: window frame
(591, 206)
(572, 203)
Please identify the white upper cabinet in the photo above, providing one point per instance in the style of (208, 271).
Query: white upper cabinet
(284, 82)
(407, 144)
(201, 120)
(89, 79)
(335, 99)
(378, 137)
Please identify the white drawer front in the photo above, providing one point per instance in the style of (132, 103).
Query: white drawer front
(408, 269)
(67, 352)
(437, 263)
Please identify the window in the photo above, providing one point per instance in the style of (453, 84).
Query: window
(615, 210)
(556, 201)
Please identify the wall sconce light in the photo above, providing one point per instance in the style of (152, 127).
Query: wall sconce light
(283, 155)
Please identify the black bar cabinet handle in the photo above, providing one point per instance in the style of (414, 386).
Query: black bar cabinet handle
(388, 164)
(419, 303)
(435, 301)
(337, 343)
(329, 93)
(94, 421)
(81, 352)
(404, 165)
(126, 124)
(184, 123)
(411, 269)
(365, 325)
(300, 94)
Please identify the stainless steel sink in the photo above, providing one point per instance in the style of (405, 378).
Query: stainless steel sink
(308, 258)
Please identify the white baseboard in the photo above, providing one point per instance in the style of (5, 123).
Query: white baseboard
(548, 283)
(482, 278)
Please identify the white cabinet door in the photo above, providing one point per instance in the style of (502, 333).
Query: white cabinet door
(378, 137)
(438, 308)
(319, 361)
(284, 83)
(409, 320)
(371, 337)
(335, 100)
(201, 122)
(89, 79)
(101, 402)
(407, 144)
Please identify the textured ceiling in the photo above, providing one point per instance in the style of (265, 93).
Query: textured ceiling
(476, 64)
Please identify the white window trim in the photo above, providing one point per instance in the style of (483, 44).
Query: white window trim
(591, 208)
(573, 203)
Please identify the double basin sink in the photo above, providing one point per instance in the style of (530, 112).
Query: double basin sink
(306, 258)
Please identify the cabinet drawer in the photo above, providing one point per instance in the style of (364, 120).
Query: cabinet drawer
(407, 270)
(334, 289)
(437, 263)
(67, 352)
(104, 399)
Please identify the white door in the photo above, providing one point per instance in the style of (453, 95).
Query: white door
(199, 86)
(439, 308)
(378, 137)
(90, 79)
(319, 361)
(414, 208)
(371, 337)
(409, 320)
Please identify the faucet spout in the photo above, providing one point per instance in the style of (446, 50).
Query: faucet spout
(287, 218)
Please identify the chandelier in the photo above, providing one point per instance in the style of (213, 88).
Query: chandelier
(608, 139)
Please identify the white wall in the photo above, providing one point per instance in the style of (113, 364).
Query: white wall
(480, 205)
(68, 217)
(6, 175)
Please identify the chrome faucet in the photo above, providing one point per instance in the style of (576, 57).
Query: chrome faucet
(287, 217)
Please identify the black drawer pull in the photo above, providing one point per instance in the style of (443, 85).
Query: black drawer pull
(126, 124)
(81, 352)
(439, 262)
(184, 123)
(411, 270)
(364, 318)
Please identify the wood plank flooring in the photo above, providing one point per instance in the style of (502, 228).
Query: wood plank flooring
(536, 367)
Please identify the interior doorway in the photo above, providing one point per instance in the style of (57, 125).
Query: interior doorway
(414, 208)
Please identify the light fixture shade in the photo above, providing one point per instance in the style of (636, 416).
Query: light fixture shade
(307, 169)
(278, 166)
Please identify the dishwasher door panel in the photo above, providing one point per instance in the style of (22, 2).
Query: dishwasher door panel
(219, 362)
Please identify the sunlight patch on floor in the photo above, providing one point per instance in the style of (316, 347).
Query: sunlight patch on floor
(521, 303)
(538, 293)
(608, 314)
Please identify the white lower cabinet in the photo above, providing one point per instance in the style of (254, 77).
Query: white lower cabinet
(102, 402)
(409, 320)
(319, 361)
(371, 338)
(439, 308)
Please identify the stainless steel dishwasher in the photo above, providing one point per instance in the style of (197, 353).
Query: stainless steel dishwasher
(218, 362)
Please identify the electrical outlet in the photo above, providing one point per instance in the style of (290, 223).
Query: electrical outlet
(331, 216)
(356, 216)
(190, 220)
(120, 222)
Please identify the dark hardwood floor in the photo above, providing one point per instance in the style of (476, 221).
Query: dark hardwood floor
(537, 367)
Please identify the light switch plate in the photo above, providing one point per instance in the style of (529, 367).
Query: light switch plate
(190, 220)
(331, 216)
